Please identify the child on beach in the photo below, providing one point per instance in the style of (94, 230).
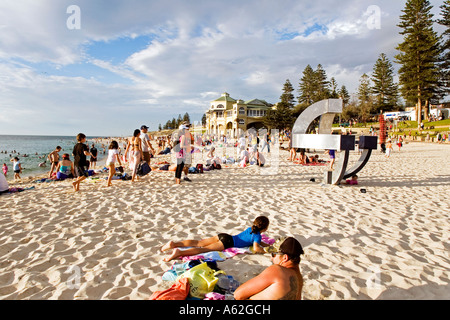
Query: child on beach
(250, 237)
(5, 169)
(113, 155)
(17, 168)
(80, 151)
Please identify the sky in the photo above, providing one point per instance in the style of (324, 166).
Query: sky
(106, 67)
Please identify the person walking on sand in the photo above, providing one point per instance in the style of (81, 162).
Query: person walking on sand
(280, 281)
(135, 146)
(80, 151)
(53, 157)
(17, 168)
(249, 237)
(146, 144)
(113, 155)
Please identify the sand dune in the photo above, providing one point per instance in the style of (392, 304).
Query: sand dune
(103, 243)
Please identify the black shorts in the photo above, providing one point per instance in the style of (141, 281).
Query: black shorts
(226, 240)
(80, 172)
(16, 171)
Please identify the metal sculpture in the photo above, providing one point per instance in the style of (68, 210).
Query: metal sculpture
(343, 144)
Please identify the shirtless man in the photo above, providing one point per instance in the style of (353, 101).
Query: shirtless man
(53, 157)
(281, 281)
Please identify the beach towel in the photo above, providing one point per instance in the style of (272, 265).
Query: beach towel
(178, 291)
(227, 253)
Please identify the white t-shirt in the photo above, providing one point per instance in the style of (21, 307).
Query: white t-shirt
(112, 156)
(144, 137)
(3, 183)
(244, 153)
(242, 142)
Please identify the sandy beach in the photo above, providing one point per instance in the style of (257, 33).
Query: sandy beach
(391, 242)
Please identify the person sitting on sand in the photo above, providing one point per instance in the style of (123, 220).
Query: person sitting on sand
(4, 187)
(280, 281)
(250, 237)
(260, 160)
(353, 180)
(165, 167)
(65, 168)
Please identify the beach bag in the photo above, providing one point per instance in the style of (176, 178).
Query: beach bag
(200, 167)
(143, 169)
(202, 279)
(193, 170)
(216, 166)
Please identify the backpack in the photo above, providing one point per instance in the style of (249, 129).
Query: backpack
(143, 169)
(200, 167)
(216, 165)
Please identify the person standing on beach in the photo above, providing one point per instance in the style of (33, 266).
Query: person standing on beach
(53, 157)
(388, 148)
(181, 154)
(5, 169)
(113, 155)
(17, 167)
(93, 160)
(80, 151)
(280, 281)
(135, 145)
(146, 144)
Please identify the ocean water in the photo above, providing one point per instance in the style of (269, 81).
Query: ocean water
(37, 149)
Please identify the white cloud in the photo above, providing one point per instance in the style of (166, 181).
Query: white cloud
(196, 51)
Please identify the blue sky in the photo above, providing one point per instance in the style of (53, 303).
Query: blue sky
(144, 62)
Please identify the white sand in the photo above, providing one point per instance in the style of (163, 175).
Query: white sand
(389, 243)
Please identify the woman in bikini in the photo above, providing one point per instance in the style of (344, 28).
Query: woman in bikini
(134, 145)
(249, 237)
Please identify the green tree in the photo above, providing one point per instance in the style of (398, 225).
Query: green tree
(186, 117)
(365, 104)
(287, 96)
(418, 55)
(279, 118)
(334, 92)
(204, 120)
(307, 86)
(344, 95)
(384, 88)
(445, 59)
(322, 84)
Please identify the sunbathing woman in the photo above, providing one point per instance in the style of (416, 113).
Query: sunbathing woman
(250, 237)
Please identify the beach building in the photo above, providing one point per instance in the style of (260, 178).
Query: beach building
(228, 116)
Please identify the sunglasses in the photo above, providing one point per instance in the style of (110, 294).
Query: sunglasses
(276, 254)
